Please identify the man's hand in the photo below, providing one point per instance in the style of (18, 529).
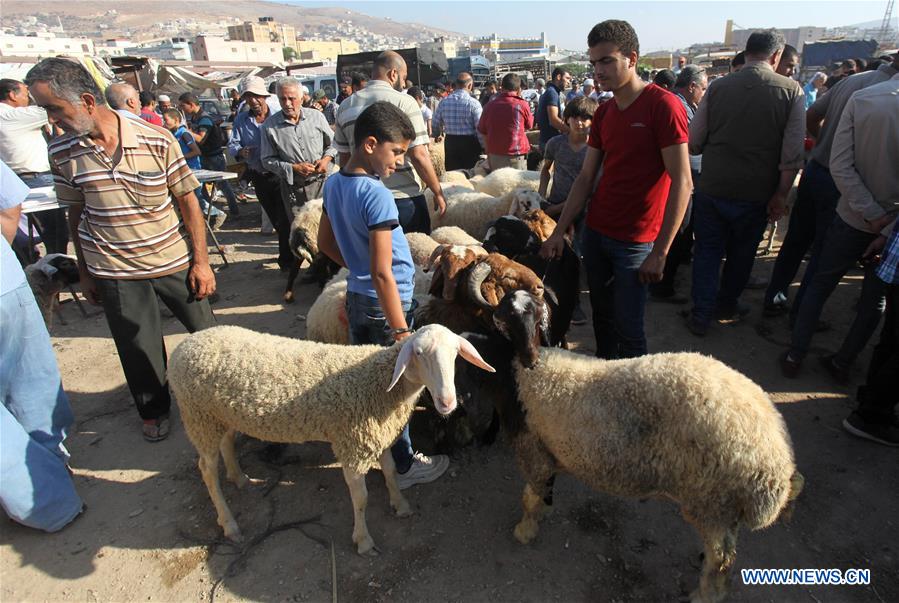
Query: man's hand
(321, 166)
(777, 207)
(201, 280)
(553, 246)
(440, 203)
(882, 222)
(652, 268)
(304, 168)
(872, 253)
(89, 288)
(244, 152)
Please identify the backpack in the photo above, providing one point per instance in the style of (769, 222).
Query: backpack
(214, 140)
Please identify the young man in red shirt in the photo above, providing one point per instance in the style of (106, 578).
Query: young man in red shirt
(504, 124)
(640, 140)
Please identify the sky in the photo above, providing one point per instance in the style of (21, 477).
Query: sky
(659, 25)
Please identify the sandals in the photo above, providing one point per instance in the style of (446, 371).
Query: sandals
(156, 430)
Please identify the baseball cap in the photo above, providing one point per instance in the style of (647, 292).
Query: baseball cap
(588, 82)
(253, 84)
(319, 94)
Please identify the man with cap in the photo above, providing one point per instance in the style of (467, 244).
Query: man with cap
(345, 88)
(245, 145)
(328, 107)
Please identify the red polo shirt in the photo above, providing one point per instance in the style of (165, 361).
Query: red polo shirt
(150, 116)
(504, 124)
(629, 202)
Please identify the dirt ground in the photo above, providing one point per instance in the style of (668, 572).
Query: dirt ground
(149, 532)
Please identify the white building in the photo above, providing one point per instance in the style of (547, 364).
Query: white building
(218, 49)
(44, 45)
(116, 47)
(176, 49)
(441, 44)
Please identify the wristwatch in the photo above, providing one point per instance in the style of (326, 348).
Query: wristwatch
(396, 332)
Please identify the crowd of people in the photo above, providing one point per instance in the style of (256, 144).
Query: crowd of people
(650, 175)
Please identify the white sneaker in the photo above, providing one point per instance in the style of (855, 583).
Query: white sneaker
(424, 470)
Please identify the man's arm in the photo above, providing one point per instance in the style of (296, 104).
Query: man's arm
(9, 222)
(203, 128)
(234, 142)
(194, 150)
(528, 115)
(421, 161)
(699, 127)
(556, 121)
(271, 159)
(577, 198)
(327, 243)
(845, 173)
(544, 177)
(792, 158)
(677, 164)
(200, 276)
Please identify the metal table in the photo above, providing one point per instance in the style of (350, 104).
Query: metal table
(211, 177)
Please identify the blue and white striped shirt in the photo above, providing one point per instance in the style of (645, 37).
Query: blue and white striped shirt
(457, 115)
(888, 271)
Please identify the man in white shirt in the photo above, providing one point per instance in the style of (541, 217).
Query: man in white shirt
(24, 149)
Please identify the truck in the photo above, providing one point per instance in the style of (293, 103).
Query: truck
(426, 67)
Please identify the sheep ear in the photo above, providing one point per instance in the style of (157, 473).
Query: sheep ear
(469, 353)
(402, 361)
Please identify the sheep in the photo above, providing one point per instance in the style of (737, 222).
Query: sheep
(326, 320)
(47, 277)
(437, 152)
(504, 180)
(453, 235)
(456, 178)
(680, 426)
(421, 246)
(523, 200)
(304, 245)
(471, 211)
(304, 391)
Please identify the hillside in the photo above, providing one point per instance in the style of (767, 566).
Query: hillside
(144, 20)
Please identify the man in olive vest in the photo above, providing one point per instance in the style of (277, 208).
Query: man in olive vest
(749, 128)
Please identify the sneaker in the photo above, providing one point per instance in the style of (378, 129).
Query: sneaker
(885, 434)
(578, 317)
(789, 366)
(839, 373)
(216, 220)
(424, 470)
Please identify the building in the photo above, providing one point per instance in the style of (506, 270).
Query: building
(510, 49)
(174, 49)
(794, 36)
(325, 50)
(441, 44)
(115, 47)
(266, 30)
(218, 49)
(44, 45)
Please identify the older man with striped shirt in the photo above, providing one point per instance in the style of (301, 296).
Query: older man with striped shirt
(121, 179)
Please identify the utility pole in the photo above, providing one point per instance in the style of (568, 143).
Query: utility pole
(882, 36)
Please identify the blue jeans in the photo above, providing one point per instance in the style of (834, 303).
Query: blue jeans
(35, 487)
(842, 248)
(217, 163)
(616, 294)
(816, 202)
(368, 325)
(723, 227)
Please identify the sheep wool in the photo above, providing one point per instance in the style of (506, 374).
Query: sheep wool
(502, 181)
(304, 230)
(302, 391)
(457, 178)
(453, 235)
(472, 212)
(421, 246)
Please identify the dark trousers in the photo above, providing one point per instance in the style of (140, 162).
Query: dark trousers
(681, 248)
(414, 216)
(816, 203)
(877, 398)
(617, 297)
(723, 227)
(294, 196)
(268, 192)
(843, 246)
(462, 152)
(132, 313)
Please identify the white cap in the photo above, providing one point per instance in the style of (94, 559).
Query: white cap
(588, 82)
(163, 98)
(304, 89)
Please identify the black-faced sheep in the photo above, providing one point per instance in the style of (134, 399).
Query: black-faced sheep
(306, 391)
(680, 426)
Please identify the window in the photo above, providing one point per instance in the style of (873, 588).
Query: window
(233, 49)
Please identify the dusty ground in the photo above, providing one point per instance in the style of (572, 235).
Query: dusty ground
(150, 531)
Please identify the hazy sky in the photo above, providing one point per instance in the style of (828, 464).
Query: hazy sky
(660, 25)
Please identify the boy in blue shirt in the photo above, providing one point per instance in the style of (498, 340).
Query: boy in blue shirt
(360, 230)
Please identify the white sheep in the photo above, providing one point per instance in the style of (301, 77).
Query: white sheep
(679, 426)
(456, 178)
(472, 212)
(453, 235)
(505, 180)
(228, 379)
(421, 246)
(326, 320)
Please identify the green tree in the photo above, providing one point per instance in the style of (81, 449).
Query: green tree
(578, 70)
(289, 53)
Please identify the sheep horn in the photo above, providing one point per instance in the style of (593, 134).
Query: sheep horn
(476, 278)
(434, 255)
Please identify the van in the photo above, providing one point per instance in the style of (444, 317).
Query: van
(327, 82)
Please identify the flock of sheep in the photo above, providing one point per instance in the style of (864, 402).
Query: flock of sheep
(680, 426)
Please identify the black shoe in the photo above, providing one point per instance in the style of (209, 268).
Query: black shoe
(700, 329)
(578, 317)
(734, 314)
(882, 433)
(839, 373)
(789, 366)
